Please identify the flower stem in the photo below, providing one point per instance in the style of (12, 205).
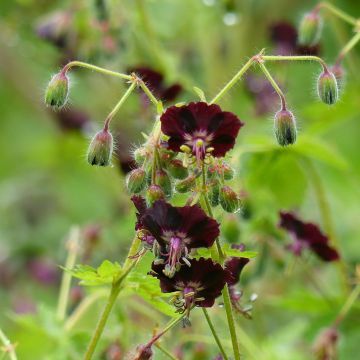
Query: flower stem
(8, 346)
(152, 98)
(215, 335)
(72, 64)
(166, 352)
(295, 58)
(347, 48)
(337, 12)
(73, 248)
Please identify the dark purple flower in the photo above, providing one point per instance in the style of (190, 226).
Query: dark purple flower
(155, 81)
(198, 284)
(43, 270)
(235, 264)
(201, 127)
(178, 230)
(307, 235)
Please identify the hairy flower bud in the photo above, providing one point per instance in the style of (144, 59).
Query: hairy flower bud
(228, 171)
(143, 352)
(229, 200)
(57, 91)
(100, 148)
(326, 343)
(177, 170)
(185, 185)
(213, 194)
(163, 180)
(285, 127)
(231, 229)
(136, 180)
(140, 155)
(153, 193)
(328, 88)
(310, 29)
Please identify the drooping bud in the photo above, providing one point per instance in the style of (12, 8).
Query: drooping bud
(100, 148)
(229, 200)
(136, 180)
(57, 91)
(328, 90)
(143, 352)
(177, 170)
(153, 193)
(185, 185)
(285, 127)
(213, 194)
(231, 229)
(310, 29)
(163, 180)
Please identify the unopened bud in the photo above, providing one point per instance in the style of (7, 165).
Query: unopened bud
(325, 344)
(57, 91)
(229, 200)
(231, 228)
(185, 185)
(140, 154)
(214, 192)
(285, 127)
(143, 352)
(177, 170)
(136, 180)
(228, 171)
(100, 148)
(327, 88)
(310, 29)
(163, 180)
(153, 193)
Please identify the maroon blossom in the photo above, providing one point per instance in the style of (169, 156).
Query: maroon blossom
(198, 284)
(177, 231)
(236, 264)
(155, 81)
(307, 235)
(201, 127)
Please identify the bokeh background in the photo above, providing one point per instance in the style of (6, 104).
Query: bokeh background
(46, 185)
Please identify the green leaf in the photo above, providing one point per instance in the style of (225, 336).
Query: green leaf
(229, 252)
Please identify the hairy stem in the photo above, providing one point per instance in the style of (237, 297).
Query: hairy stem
(337, 12)
(295, 58)
(9, 348)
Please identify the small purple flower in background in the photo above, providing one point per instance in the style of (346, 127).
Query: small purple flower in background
(202, 128)
(177, 230)
(43, 270)
(155, 81)
(198, 284)
(307, 235)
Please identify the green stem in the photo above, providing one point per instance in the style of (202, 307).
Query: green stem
(119, 104)
(295, 58)
(348, 305)
(152, 98)
(73, 248)
(337, 12)
(215, 335)
(347, 48)
(273, 84)
(8, 346)
(72, 64)
(166, 352)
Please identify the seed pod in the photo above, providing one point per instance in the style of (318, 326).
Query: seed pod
(136, 180)
(185, 185)
(231, 228)
(57, 91)
(163, 180)
(153, 193)
(214, 191)
(328, 88)
(100, 148)
(229, 200)
(285, 127)
(310, 29)
(177, 170)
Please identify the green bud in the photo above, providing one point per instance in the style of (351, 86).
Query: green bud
(177, 170)
(185, 185)
(231, 228)
(153, 193)
(328, 90)
(136, 180)
(228, 171)
(229, 200)
(163, 180)
(140, 154)
(285, 127)
(310, 29)
(100, 148)
(57, 91)
(213, 194)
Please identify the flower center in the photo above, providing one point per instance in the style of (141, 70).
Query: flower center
(176, 251)
(198, 142)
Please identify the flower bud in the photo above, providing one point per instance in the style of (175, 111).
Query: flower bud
(229, 200)
(163, 180)
(177, 170)
(327, 88)
(57, 91)
(285, 127)
(185, 185)
(231, 229)
(326, 343)
(100, 149)
(228, 171)
(143, 352)
(214, 192)
(153, 193)
(310, 29)
(136, 180)
(140, 155)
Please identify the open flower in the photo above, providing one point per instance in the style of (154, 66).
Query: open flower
(236, 264)
(177, 231)
(307, 235)
(201, 128)
(197, 285)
